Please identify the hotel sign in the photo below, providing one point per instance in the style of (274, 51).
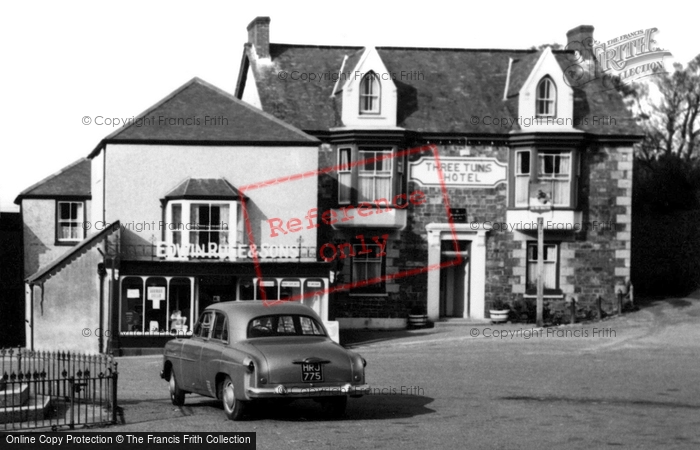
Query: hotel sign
(459, 172)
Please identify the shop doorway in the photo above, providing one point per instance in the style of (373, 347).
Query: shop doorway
(215, 289)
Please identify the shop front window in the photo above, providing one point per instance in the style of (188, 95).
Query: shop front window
(132, 304)
(156, 305)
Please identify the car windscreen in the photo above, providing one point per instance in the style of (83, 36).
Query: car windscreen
(284, 325)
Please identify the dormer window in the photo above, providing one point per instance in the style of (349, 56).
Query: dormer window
(370, 91)
(546, 98)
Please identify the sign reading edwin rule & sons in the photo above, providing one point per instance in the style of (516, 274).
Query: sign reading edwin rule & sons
(459, 172)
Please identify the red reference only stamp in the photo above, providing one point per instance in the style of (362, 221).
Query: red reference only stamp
(278, 226)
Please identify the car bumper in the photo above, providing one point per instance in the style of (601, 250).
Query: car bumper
(281, 391)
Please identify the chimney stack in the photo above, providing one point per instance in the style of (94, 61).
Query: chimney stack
(259, 36)
(581, 40)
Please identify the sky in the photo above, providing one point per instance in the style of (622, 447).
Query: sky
(62, 61)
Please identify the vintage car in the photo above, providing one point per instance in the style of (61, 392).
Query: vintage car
(243, 351)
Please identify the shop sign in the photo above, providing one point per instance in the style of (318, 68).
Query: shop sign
(233, 252)
(156, 294)
(459, 172)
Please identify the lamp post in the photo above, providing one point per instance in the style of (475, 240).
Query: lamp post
(540, 202)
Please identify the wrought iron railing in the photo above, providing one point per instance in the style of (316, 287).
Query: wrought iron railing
(42, 389)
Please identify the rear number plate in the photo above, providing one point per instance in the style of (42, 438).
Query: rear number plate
(311, 372)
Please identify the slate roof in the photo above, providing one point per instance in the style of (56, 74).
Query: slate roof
(74, 253)
(72, 181)
(204, 188)
(455, 85)
(181, 117)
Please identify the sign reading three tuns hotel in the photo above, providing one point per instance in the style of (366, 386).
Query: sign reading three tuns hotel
(459, 172)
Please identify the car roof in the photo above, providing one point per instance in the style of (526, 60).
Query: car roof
(258, 307)
(241, 313)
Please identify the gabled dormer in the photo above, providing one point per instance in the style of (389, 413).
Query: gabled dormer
(367, 91)
(547, 97)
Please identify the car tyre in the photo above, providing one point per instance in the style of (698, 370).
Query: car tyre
(335, 407)
(233, 407)
(177, 395)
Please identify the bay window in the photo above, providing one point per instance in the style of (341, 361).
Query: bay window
(369, 174)
(344, 175)
(522, 178)
(210, 223)
(375, 175)
(212, 226)
(556, 167)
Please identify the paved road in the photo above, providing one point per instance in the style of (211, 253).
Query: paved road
(631, 382)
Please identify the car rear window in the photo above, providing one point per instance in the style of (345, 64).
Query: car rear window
(284, 325)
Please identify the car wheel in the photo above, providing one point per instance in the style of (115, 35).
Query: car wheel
(233, 407)
(177, 395)
(335, 407)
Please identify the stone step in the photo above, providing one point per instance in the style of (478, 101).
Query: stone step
(455, 322)
(14, 394)
(34, 409)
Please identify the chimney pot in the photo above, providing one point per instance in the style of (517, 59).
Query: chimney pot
(581, 40)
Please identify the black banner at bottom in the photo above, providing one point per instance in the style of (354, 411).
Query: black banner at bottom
(116, 440)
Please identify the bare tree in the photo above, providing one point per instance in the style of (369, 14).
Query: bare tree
(668, 110)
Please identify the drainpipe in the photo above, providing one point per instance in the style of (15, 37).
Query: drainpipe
(31, 317)
(101, 272)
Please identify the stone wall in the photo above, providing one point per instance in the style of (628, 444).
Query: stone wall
(591, 261)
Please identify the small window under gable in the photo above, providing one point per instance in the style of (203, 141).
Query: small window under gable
(546, 98)
(69, 222)
(370, 94)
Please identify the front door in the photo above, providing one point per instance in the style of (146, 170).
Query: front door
(454, 280)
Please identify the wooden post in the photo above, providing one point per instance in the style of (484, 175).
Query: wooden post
(573, 310)
(540, 270)
(620, 296)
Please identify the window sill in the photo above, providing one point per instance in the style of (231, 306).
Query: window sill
(154, 333)
(378, 294)
(548, 293)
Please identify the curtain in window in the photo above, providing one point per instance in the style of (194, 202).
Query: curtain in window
(222, 223)
(210, 223)
(366, 266)
(70, 216)
(522, 186)
(177, 223)
(550, 266)
(344, 177)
